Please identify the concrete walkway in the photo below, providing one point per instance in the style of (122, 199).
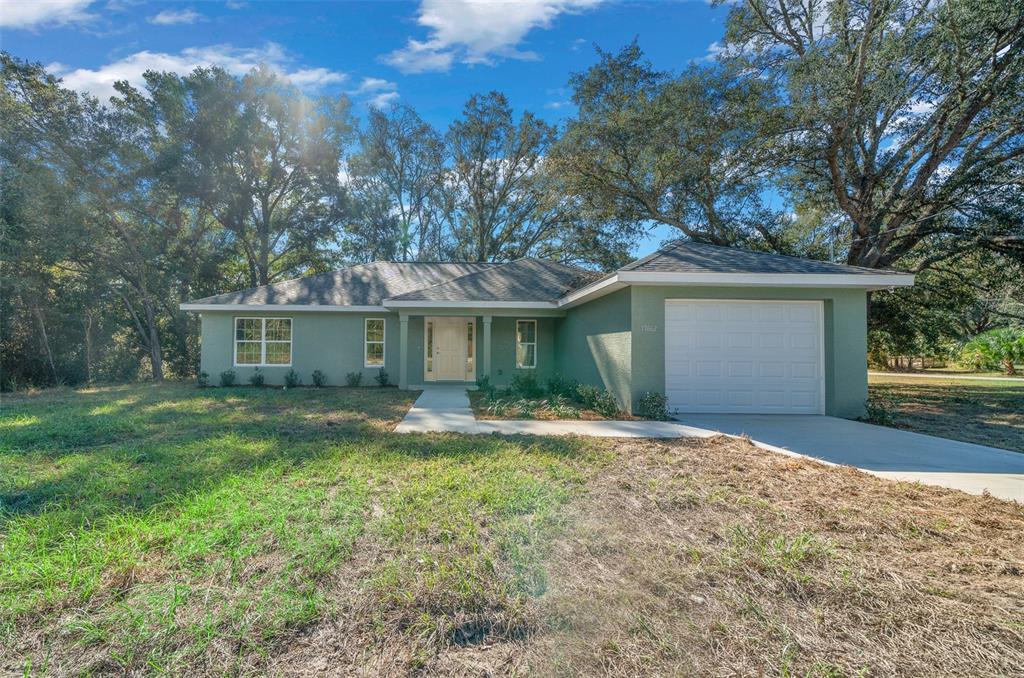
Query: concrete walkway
(884, 452)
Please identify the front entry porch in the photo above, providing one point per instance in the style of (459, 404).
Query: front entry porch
(444, 349)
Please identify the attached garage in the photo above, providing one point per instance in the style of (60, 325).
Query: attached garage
(744, 356)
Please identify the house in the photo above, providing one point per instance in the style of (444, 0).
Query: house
(715, 329)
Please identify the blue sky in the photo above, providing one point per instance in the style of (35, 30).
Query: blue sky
(431, 54)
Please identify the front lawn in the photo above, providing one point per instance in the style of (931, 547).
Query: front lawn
(983, 412)
(152, 530)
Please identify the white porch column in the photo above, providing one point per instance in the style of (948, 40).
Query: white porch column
(486, 367)
(403, 351)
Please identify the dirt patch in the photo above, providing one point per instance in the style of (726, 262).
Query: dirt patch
(713, 557)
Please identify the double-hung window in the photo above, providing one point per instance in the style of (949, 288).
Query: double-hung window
(526, 344)
(373, 342)
(263, 341)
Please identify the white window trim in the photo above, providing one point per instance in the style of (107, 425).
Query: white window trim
(262, 342)
(526, 343)
(383, 343)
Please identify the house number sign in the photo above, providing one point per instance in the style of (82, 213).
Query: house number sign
(648, 328)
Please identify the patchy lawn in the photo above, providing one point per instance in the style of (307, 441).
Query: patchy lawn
(233, 531)
(983, 412)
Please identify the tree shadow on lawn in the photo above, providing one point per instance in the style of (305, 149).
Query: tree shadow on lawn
(983, 414)
(160, 448)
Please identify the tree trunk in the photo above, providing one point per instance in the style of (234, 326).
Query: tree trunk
(88, 347)
(155, 354)
(46, 341)
(1009, 367)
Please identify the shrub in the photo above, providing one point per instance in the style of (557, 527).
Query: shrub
(995, 349)
(606, 405)
(561, 386)
(292, 379)
(320, 379)
(202, 380)
(227, 378)
(598, 400)
(485, 387)
(653, 406)
(353, 379)
(525, 385)
(257, 379)
(382, 378)
(880, 410)
(587, 395)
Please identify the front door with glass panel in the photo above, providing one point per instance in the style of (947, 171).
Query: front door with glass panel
(449, 349)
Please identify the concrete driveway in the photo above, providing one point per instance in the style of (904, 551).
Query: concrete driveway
(885, 452)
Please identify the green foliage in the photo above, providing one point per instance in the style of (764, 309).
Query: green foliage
(484, 386)
(996, 349)
(382, 378)
(319, 379)
(881, 410)
(653, 406)
(599, 400)
(292, 379)
(227, 378)
(562, 386)
(257, 378)
(202, 380)
(354, 379)
(525, 385)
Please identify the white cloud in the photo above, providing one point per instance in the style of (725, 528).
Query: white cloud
(477, 31)
(29, 13)
(236, 4)
(380, 92)
(235, 60)
(170, 17)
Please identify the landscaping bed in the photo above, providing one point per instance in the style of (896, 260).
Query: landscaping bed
(558, 399)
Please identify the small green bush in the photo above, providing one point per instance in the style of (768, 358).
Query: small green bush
(587, 395)
(202, 380)
(525, 385)
(320, 379)
(995, 350)
(257, 379)
(561, 386)
(485, 387)
(353, 379)
(227, 378)
(880, 410)
(653, 406)
(382, 378)
(292, 379)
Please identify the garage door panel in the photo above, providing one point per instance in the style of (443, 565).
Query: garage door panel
(751, 356)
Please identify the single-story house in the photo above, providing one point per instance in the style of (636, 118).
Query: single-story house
(715, 329)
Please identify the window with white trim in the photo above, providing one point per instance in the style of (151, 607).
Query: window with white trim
(263, 341)
(526, 344)
(373, 352)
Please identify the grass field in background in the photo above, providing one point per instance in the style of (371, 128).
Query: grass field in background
(168, 530)
(984, 412)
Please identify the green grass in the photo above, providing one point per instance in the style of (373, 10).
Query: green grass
(152, 529)
(983, 412)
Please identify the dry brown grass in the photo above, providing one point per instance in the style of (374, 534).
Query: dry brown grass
(712, 557)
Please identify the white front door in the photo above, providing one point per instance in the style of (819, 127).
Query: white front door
(447, 338)
(755, 357)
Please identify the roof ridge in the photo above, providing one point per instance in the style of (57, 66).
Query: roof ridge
(492, 265)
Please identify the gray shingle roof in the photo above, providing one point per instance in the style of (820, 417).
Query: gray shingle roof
(526, 279)
(692, 257)
(360, 285)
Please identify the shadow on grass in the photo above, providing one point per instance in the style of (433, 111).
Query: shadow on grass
(121, 451)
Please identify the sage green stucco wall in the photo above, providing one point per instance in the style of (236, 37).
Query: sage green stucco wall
(503, 349)
(846, 381)
(593, 344)
(329, 342)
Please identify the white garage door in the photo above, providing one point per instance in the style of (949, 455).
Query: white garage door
(762, 357)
